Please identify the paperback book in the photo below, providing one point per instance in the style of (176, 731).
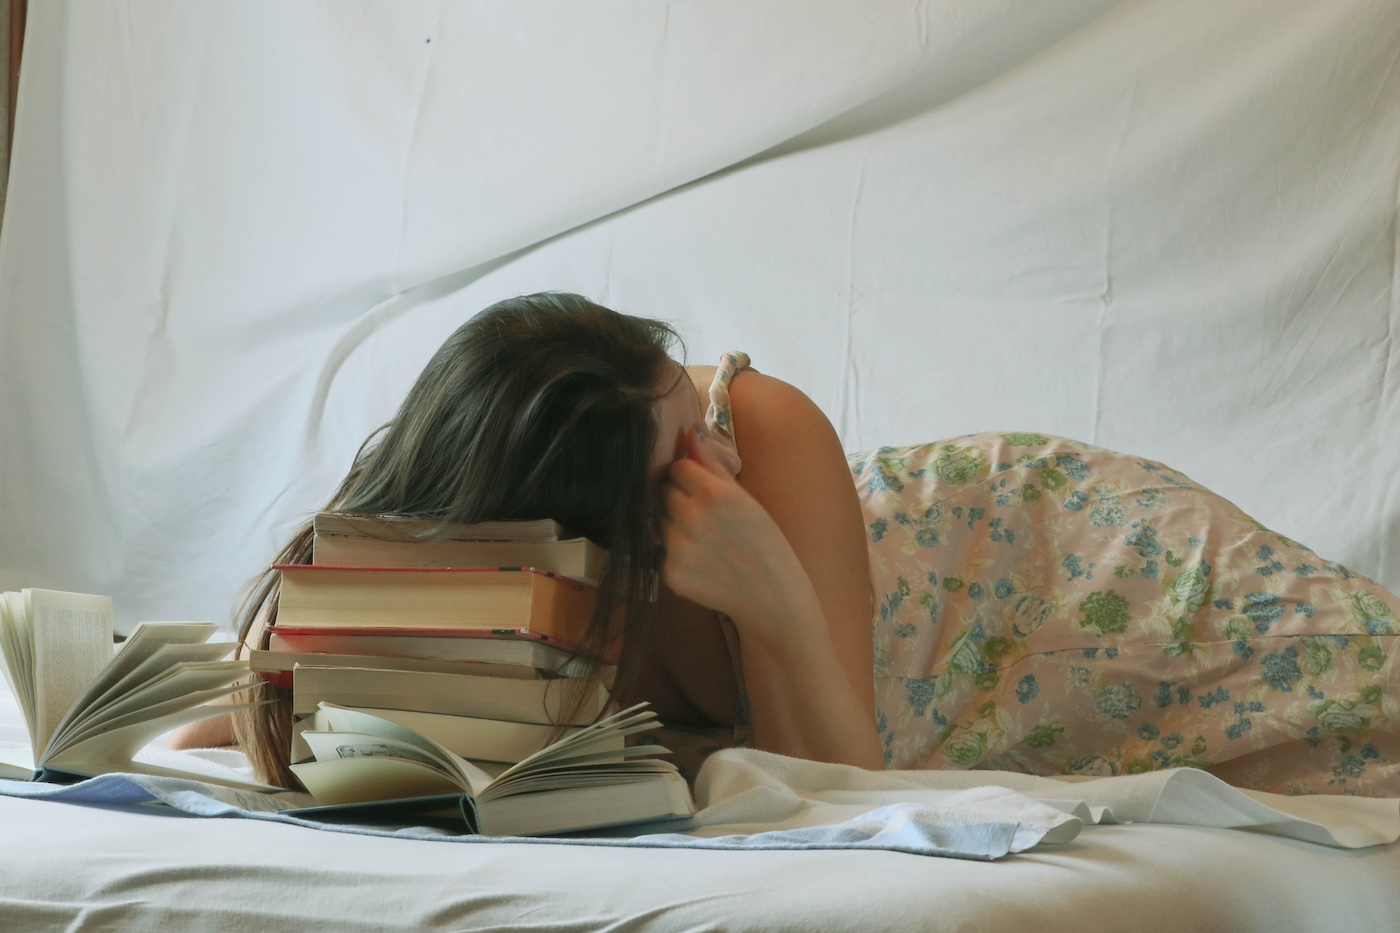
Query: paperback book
(400, 528)
(576, 558)
(486, 742)
(89, 710)
(369, 768)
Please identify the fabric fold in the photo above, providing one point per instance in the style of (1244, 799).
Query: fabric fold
(757, 800)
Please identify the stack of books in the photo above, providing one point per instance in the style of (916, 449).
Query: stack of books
(436, 669)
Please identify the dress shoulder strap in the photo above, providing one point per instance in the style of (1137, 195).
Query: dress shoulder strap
(719, 417)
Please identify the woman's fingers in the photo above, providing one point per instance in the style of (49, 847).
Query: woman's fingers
(697, 448)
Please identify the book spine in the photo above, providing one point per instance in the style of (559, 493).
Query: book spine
(461, 599)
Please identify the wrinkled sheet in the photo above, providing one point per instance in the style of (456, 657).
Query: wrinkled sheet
(236, 231)
(750, 799)
(758, 811)
(112, 867)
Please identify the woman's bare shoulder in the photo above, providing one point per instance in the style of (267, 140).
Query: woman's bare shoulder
(775, 418)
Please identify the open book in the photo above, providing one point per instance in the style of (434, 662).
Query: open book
(89, 712)
(368, 768)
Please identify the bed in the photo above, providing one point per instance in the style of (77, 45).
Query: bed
(109, 869)
(234, 233)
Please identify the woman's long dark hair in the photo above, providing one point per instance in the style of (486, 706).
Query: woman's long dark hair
(541, 406)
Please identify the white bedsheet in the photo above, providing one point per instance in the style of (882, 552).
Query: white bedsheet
(121, 870)
(755, 799)
(129, 869)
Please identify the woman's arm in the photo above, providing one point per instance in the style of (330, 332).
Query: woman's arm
(782, 552)
(215, 732)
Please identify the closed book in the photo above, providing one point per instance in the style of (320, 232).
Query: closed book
(497, 645)
(276, 666)
(561, 700)
(528, 601)
(576, 558)
(396, 527)
(369, 768)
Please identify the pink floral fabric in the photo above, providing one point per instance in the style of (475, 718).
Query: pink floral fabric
(1051, 607)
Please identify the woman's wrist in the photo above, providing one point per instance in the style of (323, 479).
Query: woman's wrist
(802, 705)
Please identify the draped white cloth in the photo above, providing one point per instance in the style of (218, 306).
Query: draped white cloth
(236, 231)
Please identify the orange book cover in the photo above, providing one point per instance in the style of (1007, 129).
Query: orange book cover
(525, 601)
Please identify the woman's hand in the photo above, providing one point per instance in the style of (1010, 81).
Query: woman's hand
(782, 554)
(722, 549)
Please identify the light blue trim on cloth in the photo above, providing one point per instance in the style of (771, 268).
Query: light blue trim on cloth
(758, 800)
(916, 829)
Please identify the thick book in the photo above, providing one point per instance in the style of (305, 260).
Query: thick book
(276, 666)
(489, 646)
(369, 768)
(400, 528)
(527, 601)
(576, 558)
(562, 701)
(89, 710)
(487, 741)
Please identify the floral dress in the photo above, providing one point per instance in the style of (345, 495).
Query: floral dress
(1051, 607)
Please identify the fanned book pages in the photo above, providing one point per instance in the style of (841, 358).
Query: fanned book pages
(369, 768)
(89, 711)
(486, 742)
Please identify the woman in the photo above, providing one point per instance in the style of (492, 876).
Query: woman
(1011, 601)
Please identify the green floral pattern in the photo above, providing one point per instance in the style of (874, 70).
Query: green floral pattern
(1051, 607)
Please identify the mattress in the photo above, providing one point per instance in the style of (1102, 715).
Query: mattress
(68, 867)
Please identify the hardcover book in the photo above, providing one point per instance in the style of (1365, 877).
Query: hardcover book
(527, 601)
(277, 667)
(559, 701)
(504, 647)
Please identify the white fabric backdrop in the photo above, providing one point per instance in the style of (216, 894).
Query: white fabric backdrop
(236, 231)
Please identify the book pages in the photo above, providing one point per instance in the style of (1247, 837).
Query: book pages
(115, 750)
(185, 686)
(11, 664)
(72, 638)
(18, 651)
